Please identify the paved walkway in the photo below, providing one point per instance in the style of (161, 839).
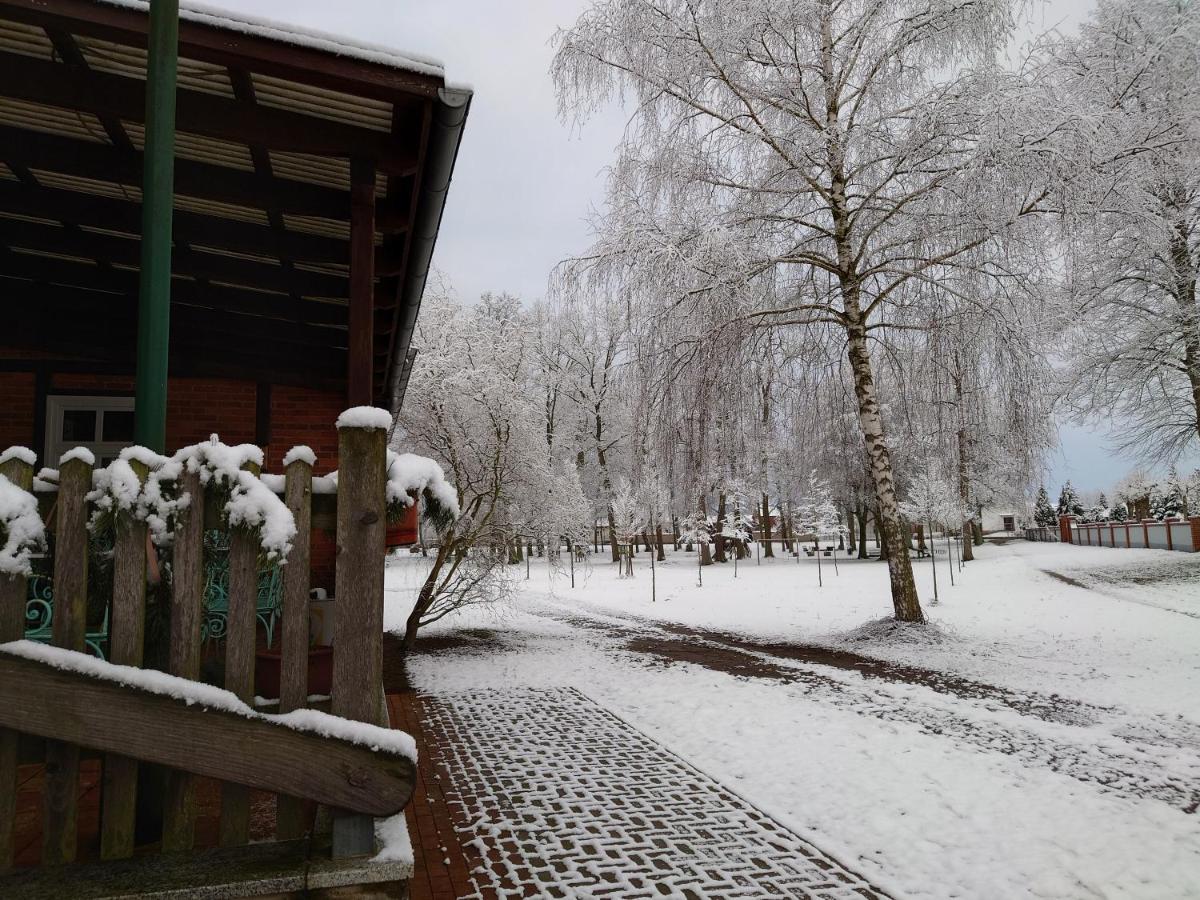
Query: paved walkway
(553, 796)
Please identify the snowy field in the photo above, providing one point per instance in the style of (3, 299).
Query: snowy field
(1041, 739)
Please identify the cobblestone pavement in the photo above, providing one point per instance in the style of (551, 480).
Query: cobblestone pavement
(556, 797)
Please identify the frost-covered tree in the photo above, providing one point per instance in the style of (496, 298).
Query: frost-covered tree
(1068, 501)
(1131, 82)
(804, 162)
(1043, 513)
(470, 406)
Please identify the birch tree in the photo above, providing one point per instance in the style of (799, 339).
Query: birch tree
(818, 149)
(1132, 78)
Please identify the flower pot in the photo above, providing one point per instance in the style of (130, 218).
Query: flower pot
(320, 671)
(404, 532)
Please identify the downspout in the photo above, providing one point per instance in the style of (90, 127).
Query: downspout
(445, 136)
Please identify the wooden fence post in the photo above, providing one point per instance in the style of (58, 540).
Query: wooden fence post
(358, 594)
(12, 628)
(293, 647)
(240, 641)
(187, 600)
(126, 635)
(68, 630)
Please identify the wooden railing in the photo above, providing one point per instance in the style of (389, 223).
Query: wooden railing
(159, 720)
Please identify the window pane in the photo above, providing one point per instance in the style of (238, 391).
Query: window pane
(118, 425)
(79, 425)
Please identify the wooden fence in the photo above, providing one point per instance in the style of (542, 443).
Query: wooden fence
(1153, 534)
(71, 707)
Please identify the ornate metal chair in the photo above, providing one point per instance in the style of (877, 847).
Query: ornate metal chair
(216, 590)
(39, 616)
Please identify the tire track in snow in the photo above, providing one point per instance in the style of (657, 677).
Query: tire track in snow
(1142, 762)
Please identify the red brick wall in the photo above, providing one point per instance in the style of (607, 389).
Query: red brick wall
(16, 409)
(304, 416)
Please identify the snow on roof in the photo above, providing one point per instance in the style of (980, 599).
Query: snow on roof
(289, 33)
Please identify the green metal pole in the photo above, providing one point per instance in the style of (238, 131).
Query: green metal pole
(158, 189)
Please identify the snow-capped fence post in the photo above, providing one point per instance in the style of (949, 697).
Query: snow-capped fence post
(125, 644)
(18, 469)
(293, 675)
(187, 598)
(240, 639)
(70, 614)
(358, 591)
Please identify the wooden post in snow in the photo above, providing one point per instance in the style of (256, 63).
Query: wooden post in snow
(358, 626)
(12, 628)
(69, 627)
(293, 648)
(240, 640)
(187, 606)
(125, 643)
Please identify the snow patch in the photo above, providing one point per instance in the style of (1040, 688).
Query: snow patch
(394, 842)
(300, 453)
(21, 529)
(365, 417)
(24, 454)
(83, 454)
(410, 475)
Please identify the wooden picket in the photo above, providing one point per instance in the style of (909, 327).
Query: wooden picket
(12, 628)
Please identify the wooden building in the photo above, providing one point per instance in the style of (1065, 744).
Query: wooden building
(309, 181)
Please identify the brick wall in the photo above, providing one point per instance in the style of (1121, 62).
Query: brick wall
(16, 409)
(304, 416)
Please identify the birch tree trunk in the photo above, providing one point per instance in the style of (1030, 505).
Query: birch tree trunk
(904, 588)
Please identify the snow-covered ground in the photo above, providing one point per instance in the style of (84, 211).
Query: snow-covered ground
(1041, 739)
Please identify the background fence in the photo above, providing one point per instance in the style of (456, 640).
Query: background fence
(1169, 534)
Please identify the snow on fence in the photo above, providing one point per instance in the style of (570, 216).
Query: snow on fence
(1169, 534)
(299, 754)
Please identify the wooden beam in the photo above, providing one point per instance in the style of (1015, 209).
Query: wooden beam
(362, 284)
(38, 699)
(119, 214)
(101, 162)
(110, 316)
(107, 95)
(195, 348)
(195, 264)
(61, 280)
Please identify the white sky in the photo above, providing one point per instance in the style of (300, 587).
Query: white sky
(525, 182)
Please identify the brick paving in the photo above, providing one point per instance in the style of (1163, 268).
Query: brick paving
(553, 796)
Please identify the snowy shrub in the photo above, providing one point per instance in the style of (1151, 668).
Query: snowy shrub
(21, 530)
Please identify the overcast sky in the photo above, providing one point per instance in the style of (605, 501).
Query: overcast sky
(525, 182)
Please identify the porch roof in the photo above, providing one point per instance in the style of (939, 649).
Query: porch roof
(268, 121)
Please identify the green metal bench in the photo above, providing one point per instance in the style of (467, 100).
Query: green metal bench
(216, 590)
(39, 607)
(39, 617)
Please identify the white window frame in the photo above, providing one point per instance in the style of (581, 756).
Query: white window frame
(58, 404)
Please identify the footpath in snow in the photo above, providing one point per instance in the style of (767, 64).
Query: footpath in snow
(1040, 738)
